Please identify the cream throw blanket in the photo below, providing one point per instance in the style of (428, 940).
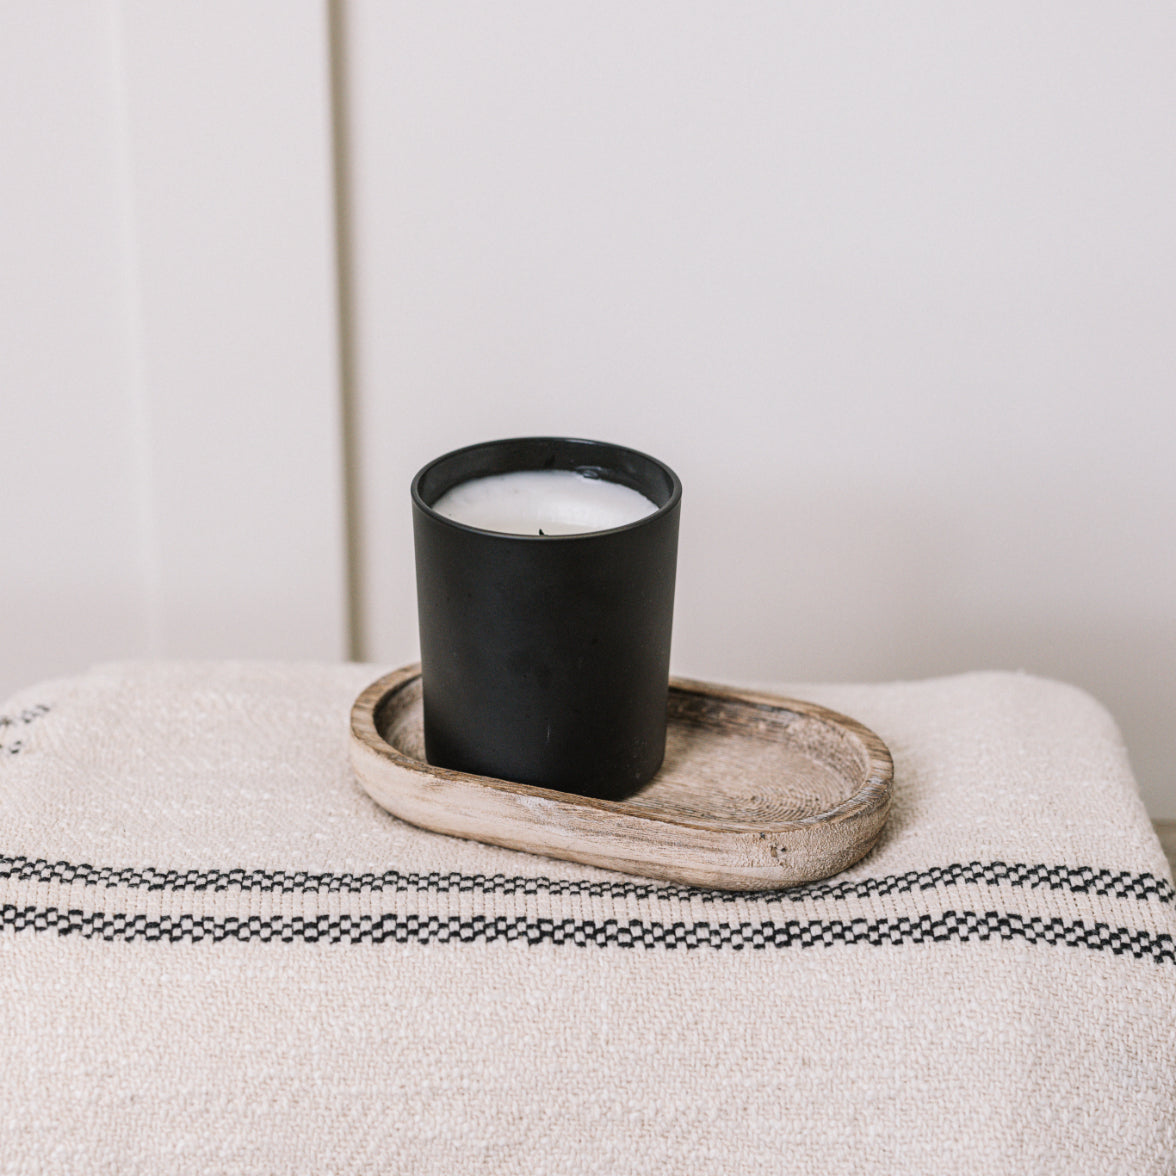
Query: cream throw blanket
(218, 955)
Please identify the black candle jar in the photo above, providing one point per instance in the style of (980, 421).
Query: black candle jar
(545, 658)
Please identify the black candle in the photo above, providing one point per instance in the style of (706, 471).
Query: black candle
(545, 658)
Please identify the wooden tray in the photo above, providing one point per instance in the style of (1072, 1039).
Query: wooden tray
(756, 792)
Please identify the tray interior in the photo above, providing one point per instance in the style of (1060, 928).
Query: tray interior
(727, 759)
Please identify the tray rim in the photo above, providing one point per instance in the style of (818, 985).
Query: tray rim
(739, 855)
(879, 774)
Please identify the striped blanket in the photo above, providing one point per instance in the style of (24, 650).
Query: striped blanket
(217, 954)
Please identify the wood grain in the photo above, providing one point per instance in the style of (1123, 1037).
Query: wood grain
(757, 792)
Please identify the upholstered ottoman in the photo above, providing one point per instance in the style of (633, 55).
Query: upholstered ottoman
(217, 954)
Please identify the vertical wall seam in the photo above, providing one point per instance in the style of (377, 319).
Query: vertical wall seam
(344, 302)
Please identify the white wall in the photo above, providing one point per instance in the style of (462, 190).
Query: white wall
(170, 419)
(73, 579)
(891, 287)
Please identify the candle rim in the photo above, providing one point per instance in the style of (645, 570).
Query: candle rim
(597, 470)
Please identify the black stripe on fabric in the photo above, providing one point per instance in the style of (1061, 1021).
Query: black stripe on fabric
(11, 736)
(1102, 883)
(948, 927)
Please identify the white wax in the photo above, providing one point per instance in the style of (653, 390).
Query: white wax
(549, 502)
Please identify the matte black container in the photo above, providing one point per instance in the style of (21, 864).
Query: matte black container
(545, 659)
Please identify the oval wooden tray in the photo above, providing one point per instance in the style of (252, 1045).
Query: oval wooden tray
(756, 792)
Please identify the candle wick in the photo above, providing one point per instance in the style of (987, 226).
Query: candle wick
(540, 530)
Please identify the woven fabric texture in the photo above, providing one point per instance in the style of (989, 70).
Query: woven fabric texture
(217, 954)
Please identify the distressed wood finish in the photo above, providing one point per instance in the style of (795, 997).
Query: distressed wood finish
(756, 793)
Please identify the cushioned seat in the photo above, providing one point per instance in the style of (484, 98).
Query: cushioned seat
(218, 954)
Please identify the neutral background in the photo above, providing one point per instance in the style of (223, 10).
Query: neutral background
(892, 286)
